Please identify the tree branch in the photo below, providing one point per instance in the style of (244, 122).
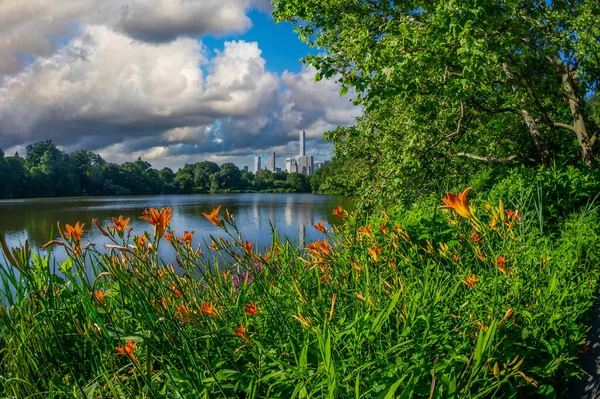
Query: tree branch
(493, 159)
(566, 126)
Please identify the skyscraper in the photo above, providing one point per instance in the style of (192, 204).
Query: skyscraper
(256, 164)
(272, 162)
(306, 165)
(302, 143)
(288, 164)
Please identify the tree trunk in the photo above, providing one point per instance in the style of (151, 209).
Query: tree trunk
(575, 104)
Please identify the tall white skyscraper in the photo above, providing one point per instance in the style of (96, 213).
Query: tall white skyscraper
(302, 143)
(288, 164)
(272, 165)
(256, 164)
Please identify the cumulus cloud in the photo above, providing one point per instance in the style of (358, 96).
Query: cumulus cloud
(37, 27)
(133, 79)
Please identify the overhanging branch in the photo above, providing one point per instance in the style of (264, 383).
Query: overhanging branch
(566, 126)
(493, 159)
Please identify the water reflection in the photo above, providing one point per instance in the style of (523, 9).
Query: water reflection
(292, 214)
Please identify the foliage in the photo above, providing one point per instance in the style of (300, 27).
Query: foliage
(404, 304)
(48, 172)
(448, 84)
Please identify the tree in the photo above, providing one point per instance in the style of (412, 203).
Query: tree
(489, 81)
(228, 177)
(202, 175)
(298, 182)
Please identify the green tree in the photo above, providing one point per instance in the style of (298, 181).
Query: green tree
(298, 182)
(228, 177)
(202, 175)
(443, 81)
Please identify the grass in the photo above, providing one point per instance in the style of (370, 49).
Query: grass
(412, 304)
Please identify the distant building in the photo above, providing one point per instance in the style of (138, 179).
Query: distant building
(272, 164)
(302, 143)
(256, 164)
(318, 165)
(306, 165)
(294, 166)
(278, 170)
(288, 164)
(246, 168)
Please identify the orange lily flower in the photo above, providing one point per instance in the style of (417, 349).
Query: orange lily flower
(207, 309)
(470, 281)
(159, 220)
(374, 252)
(248, 247)
(319, 226)
(99, 296)
(251, 309)
(127, 350)
(500, 262)
(383, 229)
(184, 312)
(169, 236)
(319, 245)
(241, 332)
(120, 224)
(339, 212)
(213, 246)
(140, 241)
(187, 238)
(213, 216)
(366, 231)
(74, 232)
(458, 203)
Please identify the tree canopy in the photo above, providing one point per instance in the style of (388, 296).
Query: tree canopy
(440, 81)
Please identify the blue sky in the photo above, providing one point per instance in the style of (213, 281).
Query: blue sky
(170, 81)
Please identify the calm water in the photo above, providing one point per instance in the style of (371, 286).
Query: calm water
(293, 215)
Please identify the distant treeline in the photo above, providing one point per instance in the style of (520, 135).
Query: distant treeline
(46, 171)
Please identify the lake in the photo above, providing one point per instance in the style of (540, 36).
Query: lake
(293, 215)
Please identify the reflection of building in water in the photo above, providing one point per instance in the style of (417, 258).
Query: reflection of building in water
(256, 213)
(302, 235)
(288, 211)
(272, 217)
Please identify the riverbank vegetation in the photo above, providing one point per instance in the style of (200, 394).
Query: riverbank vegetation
(45, 171)
(475, 299)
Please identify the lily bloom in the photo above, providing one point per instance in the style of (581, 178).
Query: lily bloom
(159, 220)
(374, 252)
(120, 224)
(500, 263)
(127, 350)
(248, 247)
(140, 241)
(213, 246)
(251, 309)
(187, 238)
(99, 296)
(241, 332)
(319, 226)
(207, 309)
(183, 312)
(339, 212)
(470, 281)
(366, 231)
(169, 236)
(213, 216)
(322, 246)
(74, 232)
(459, 203)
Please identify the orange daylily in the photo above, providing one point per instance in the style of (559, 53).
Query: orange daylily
(207, 309)
(366, 231)
(213, 216)
(374, 252)
(241, 332)
(159, 220)
(120, 224)
(458, 203)
(140, 241)
(339, 212)
(248, 247)
(471, 280)
(99, 296)
(169, 236)
(127, 350)
(319, 226)
(322, 246)
(500, 263)
(184, 312)
(213, 246)
(383, 229)
(251, 309)
(74, 232)
(187, 238)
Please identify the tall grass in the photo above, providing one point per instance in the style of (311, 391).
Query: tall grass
(390, 307)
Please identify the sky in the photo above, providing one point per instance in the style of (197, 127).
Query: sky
(170, 81)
